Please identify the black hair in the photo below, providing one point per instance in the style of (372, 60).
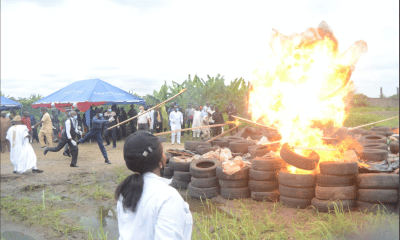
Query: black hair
(131, 188)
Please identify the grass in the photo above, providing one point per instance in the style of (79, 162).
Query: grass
(270, 223)
(363, 115)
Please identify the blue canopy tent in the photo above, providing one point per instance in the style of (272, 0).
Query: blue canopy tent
(8, 104)
(87, 93)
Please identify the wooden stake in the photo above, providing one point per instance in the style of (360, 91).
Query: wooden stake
(223, 134)
(186, 129)
(256, 123)
(148, 110)
(373, 123)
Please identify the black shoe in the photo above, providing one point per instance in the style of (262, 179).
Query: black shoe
(107, 161)
(114, 147)
(73, 165)
(37, 170)
(14, 171)
(108, 144)
(42, 147)
(45, 151)
(77, 143)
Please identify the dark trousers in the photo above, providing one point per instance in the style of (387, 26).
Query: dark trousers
(133, 126)
(99, 140)
(35, 135)
(217, 131)
(73, 149)
(143, 127)
(230, 118)
(113, 134)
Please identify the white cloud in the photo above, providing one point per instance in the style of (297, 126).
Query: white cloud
(138, 45)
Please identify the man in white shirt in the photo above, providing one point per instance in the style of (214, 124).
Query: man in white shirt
(176, 119)
(205, 132)
(22, 155)
(67, 137)
(144, 121)
(196, 122)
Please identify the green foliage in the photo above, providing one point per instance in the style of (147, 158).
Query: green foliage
(360, 100)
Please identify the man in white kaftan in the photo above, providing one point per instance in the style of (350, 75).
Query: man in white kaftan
(22, 155)
(176, 119)
(196, 122)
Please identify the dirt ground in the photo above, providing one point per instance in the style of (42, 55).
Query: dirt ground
(70, 184)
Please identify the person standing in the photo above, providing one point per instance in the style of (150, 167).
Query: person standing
(67, 137)
(151, 113)
(205, 132)
(176, 120)
(144, 120)
(46, 129)
(123, 116)
(158, 121)
(27, 121)
(218, 119)
(189, 115)
(196, 122)
(34, 130)
(112, 132)
(231, 110)
(147, 207)
(96, 131)
(22, 155)
(132, 112)
(5, 124)
(56, 124)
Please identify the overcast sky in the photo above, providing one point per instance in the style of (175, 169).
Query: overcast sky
(137, 45)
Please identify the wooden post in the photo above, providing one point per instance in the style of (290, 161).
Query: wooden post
(223, 134)
(186, 129)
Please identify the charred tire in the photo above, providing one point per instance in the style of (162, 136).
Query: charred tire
(294, 192)
(204, 167)
(329, 205)
(179, 184)
(325, 180)
(204, 182)
(259, 150)
(295, 202)
(201, 149)
(373, 138)
(394, 147)
(265, 196)
(378, 181)
(296, 180)
(266, 164)
(240, 146)
(168, 171)
(263, 186)
(375, 155)
(263, 175)
(294, 159)
(336, 193)
(182, 176)
(220, 142)
(375, 207)
(339, 168)
(378, 195)
(203, 193)
(382, 146)
(233, 184)
(243, 174)
(381, 128)
(233, 139)
(179, 166)
(235, 193)
(192, 145)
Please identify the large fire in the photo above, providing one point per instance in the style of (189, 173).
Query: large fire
(306, 85)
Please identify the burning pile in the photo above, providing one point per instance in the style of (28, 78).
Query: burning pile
(306, 87)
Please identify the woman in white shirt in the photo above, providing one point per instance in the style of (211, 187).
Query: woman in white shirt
(148, 208)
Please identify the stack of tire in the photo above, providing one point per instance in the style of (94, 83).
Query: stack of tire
(234, 186)
(167, 172)
(296, 190)
(263, 178)
(204, 183)
(182, 176)
(375, 148)
(220, 142)
(192, 145)
(336, 187)
(378, 191)
(240, 147)
(203, 149)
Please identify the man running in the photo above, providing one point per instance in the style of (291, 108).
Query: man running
(96, 130)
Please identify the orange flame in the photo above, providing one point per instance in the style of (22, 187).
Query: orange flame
(306, 85)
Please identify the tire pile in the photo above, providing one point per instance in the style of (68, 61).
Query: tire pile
(240, 147)
(234, 186)
(296, 190)
(204, 183)
(182, 176)
(377, 191)
(263, 178)
(167, 172)
(336, 187)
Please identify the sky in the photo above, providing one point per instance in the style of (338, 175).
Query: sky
(136, 45)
